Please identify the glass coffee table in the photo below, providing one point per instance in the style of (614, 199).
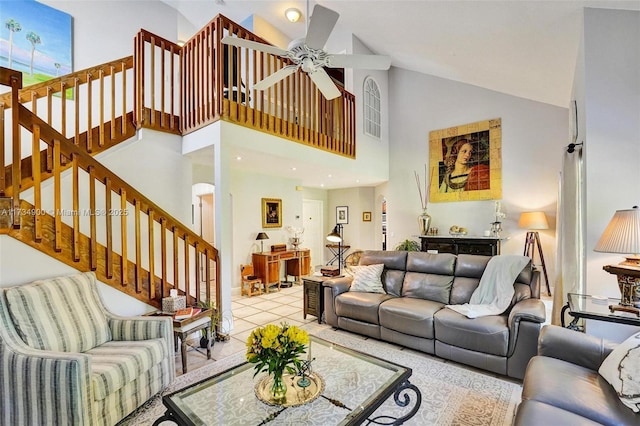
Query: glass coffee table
(355, 385)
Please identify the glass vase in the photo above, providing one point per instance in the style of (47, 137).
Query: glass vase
(278, 389)
(424, 220)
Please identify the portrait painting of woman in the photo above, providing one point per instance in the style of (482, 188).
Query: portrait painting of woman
(463, 171)
(465, 162)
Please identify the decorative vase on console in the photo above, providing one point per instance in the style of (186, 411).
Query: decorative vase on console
(424, 220)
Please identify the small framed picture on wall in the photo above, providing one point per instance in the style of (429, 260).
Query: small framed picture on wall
(366, 216)
(342, 214)
(271, 213)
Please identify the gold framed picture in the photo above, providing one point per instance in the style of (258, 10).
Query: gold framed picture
(271, 213)
(366, 216)
(465, 162)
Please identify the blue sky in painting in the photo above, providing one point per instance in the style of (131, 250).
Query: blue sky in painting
(53, 27)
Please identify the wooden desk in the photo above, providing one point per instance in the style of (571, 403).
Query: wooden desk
(266, 265)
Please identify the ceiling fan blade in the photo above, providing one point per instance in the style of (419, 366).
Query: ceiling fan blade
(324, 83)
(240, 42)
(321, 24)
(369, 62)
(281, 74)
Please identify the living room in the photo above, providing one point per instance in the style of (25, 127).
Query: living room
(535, 135)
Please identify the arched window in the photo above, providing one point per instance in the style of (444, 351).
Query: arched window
(371, 108)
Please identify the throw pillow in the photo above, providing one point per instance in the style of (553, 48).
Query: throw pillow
(621, 368)
(367, 279)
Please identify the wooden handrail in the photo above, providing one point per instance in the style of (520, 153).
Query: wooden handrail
(128, 195)
(215, 82)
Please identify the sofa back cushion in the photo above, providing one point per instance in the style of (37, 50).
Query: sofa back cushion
(469, 270)
(395, 264)
(62, 314)
(429, 276)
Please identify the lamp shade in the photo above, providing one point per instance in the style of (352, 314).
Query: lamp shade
(533, 220)
(334, 236)
(262, 236)
(622, 235)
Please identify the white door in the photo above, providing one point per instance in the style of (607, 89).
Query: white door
(313, 237)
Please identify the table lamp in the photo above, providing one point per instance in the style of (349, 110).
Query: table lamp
(336, 237)
(622, 235)
(534, 221)
(261, 237)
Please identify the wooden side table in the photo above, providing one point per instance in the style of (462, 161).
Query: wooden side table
(313, 296)
(184, 327)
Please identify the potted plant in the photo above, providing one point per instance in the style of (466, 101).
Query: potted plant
(408, 245)
(215, 323)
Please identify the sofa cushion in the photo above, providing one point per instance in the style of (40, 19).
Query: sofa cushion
(118, 363)
(621, 369)
(534, 413)
(409, 316)
(395, 263)
(360, 306)
(60, 314)
(489, 334)
(577, 389)
(427, 286)
(367, 278)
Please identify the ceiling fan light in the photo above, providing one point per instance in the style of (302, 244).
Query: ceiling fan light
(292, 14)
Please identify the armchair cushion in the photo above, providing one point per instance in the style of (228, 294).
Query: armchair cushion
(118, 363)
(61, 314)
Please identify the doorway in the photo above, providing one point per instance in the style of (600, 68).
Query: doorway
(203, 220)
(313, 223)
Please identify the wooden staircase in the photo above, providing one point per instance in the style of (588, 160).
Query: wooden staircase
(78, 227)
(58, 199)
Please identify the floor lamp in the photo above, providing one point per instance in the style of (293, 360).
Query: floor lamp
(534, 221)
(336, 237)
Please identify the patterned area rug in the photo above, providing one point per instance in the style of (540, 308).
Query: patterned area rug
(451, 395)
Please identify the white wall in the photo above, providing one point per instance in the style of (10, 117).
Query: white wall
(103, 30)
(611, 105)
(533, 137)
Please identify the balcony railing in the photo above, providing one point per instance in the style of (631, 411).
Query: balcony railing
(205, 81)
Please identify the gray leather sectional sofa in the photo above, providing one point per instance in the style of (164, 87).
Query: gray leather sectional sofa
(412, 313)
(562, 385)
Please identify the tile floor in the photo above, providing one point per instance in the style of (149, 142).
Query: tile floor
(249, 313)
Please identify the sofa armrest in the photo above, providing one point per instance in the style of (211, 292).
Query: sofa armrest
(529, 310)
(332, 289)
(574, 347)
(66, 377)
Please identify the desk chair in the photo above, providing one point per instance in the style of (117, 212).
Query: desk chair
(250, 283)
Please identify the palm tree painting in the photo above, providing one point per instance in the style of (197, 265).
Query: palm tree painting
(14, 27)
(44, 51)
(33, 39)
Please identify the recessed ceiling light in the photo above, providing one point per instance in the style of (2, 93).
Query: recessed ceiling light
(238, 158)
(292, 14)
(329, 176)
(322, 185)
(294, 169)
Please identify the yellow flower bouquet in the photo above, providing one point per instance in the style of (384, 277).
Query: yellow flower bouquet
(276, 348)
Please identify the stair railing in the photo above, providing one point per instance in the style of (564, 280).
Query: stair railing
(91, 219)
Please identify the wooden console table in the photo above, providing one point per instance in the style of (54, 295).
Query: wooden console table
(487, 246)
(266, 265)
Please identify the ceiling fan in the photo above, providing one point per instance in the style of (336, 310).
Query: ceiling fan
(308, 54)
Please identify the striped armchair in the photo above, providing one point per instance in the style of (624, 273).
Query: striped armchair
(66, 360)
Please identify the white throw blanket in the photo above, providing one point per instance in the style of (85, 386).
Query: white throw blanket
(495, 291)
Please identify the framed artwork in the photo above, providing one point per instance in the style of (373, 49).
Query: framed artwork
(366, 216)
(271, 213)
(36, 40)
(342, 214)
(465, 162)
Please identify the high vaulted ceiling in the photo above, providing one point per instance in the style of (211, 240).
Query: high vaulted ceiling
(522, 48)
